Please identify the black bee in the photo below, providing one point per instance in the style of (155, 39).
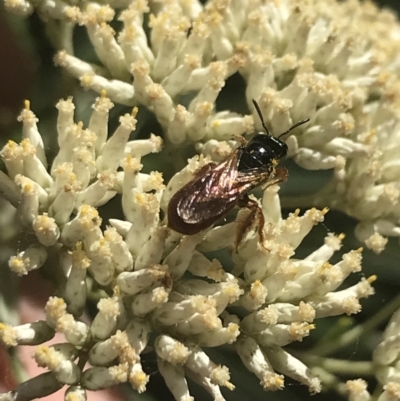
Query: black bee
(218, 187)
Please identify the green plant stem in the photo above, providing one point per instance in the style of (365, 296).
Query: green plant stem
(352, 335)
(339, 366)
(60, 35)
(18, 368)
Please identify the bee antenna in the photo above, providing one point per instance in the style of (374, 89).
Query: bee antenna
(294, 126)
(261, 116)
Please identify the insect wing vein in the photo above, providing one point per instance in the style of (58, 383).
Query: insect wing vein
(211, 194)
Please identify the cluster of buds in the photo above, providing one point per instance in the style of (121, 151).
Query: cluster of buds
(334, 63)
(315, 59)
(385, 359)
(155, 280)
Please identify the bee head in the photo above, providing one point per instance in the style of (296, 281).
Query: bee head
(264, 149)
(276, 146)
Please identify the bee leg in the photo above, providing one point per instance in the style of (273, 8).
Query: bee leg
(280, 175)
(255, 210)
(255, 214)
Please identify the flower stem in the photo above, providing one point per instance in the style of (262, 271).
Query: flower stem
(338, 366)
(352, 335)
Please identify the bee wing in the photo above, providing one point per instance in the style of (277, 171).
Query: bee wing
(217, 191)
(211, 194)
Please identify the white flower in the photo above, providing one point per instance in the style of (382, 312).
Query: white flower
(385, 359)
(144, 265)
(334, 63)
(288, 70)
(318, 59)
(387, 352)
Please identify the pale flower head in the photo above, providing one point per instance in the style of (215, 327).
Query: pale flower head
(162, 293)
(335, 63)
(160, 282)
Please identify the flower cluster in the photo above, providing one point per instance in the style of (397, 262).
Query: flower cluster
(156, 280)
(334, 63)
(385, 357)
(386, 365)
(161, 293)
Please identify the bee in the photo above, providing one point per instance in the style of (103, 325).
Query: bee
(218, 187)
